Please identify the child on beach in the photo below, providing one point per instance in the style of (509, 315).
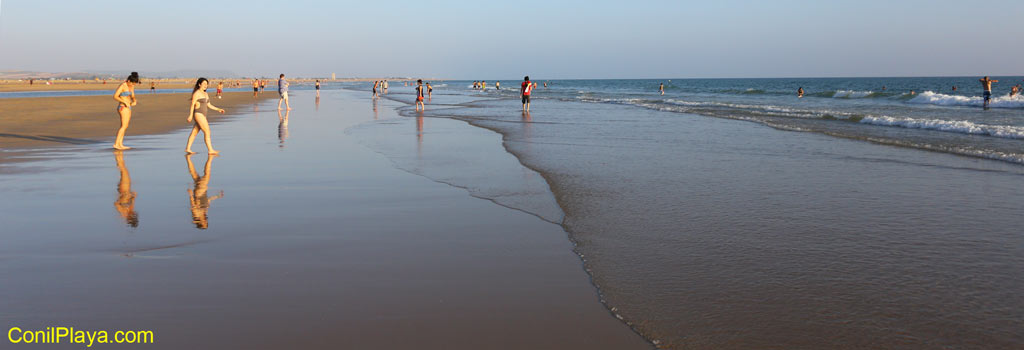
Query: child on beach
(419, 95)
(524, 92)
(125, 97)
(220, 89)
(318, 88)
(197, 111)
(282, 89)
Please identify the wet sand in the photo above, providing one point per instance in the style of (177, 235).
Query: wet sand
(36, 122)
(316, 242)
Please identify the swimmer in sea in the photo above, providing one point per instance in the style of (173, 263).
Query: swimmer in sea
(800, 92)
(661, 88)
(986, 84)
(125, 97)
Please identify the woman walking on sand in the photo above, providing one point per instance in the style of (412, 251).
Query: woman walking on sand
(197, 110)
(125, 97)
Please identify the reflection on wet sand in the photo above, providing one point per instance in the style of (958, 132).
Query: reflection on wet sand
(125, 203)
(282, 127)
(318, 101)
(198, 200)
(419, 135)
(376, 115)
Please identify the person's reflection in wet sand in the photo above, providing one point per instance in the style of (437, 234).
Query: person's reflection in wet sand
(282, 128)
(419, 135)
(125, 203)
(318, 101)
(375, 116)
(198, 199)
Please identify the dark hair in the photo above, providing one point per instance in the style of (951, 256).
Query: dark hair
(526, 78)
(133, 78)
(282, 75)
(198, 83)
(419, 81)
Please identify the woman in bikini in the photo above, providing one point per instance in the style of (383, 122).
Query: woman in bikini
(125, 97)
(197, 110)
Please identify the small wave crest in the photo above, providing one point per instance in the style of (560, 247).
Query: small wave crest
(933, 98)
(955, 126)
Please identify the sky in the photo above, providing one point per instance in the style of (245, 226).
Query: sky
(551, 39)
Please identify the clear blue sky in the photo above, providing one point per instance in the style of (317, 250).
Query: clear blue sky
(553, 39)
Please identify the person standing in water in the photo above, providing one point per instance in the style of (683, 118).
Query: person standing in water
(497, 85)
(385, 86)
(375, 88)
(282, 89)
(197, 112)
(661, 88)
(986, 84)
(318, 88)
(419, 95)
(800, 92)
(524, 92)
(125, 97)
(430, 91)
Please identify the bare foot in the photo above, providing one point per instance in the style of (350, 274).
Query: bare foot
(214, 152)
(188, 151)
(121, 147)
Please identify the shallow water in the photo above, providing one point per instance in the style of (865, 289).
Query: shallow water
(713, 233)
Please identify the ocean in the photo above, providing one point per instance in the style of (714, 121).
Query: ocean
(730, 214)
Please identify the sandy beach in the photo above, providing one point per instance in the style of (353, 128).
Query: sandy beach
(314, 241)
(35, 122)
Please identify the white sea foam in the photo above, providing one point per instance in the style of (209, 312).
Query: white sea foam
(852, 94)
(1005, 101)
(955, 126)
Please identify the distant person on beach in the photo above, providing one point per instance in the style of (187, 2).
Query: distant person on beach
(255, 88)
(282, 89)
(986, 84)
(419, 95)
(318, 88)
(430, 91)
(152, 86)
(497, 85)
(800, 92)
(220, 89)
(385, 86)
(125, 97)
(198, 109)
(197, 196)
(661, 88)
(375, 88)
(524, 91)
